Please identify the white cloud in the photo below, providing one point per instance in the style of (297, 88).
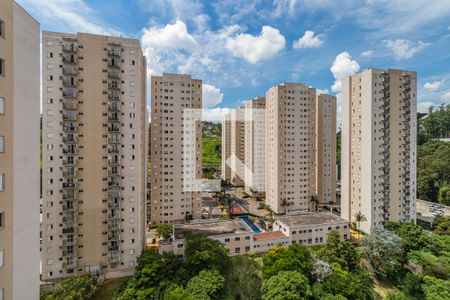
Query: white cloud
(171, 36)
(424, 106)
(72, 15)
(404, 49)
(256, 48)
(214, 114)
(283, 6)
(336, 87)
(446, 97)
(432, 85)
(212, 96)
(320, 91)
(343, 65)
(368, 53)
(308, 40)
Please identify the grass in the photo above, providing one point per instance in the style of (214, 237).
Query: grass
(109, 288)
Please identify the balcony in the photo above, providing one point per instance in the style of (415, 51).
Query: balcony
(70, 71)
(114, 73)
(69, 116)
(113, 160)
(69, 58)
(113, 204)
(69, 150)
(114, 63)
(69, 93)
(113, 171)
(113, 225)
(113, 149)
(70, 105)
(114, 96)
(113, 194)
(69, 161)
(69, 207)
(68, 219)
(70, 128)
(113, 128)
(68, 230)
(114, 106)
(114, 85)
(69, 185)
(114, 139)
(69, 195)
(114, 51)
(69, 139)
(70, 47)
(70, 81)
(113, 237)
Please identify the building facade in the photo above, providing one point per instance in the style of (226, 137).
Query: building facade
(290, 130)
(326, 149)
(254, 145)
(237, 146)
(379, 146)
(94, 154)
(19, 153)
(226, 146)
(172, 201)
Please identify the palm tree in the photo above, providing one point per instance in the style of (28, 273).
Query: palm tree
(314, 200)
(359, 217)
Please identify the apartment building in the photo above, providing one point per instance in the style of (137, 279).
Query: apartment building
(19, 153)
(326, 149)
(226, 146)
(176, 148)
(254, 146)
(379, 146)
(237, 146)
(94, 154)
(290, 130)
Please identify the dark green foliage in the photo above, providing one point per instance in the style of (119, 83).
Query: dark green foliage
(204, 253)
(164, 231)
(295, 257)
(243, 280)
(176, 292)
(396, 296)
(208, 284)
(74, 288)
(436, 289)
(412, 285)
(412, 236)
(442, 225)
(338, 251)
(286, 285)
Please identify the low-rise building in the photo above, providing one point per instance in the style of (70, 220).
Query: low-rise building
(310, 229)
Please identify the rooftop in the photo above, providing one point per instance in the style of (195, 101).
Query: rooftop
(269, 235)
(211, 228)
(308, 219)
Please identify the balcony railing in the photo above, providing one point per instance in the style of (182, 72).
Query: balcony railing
(113, 73)
(69, 150)
(69, 185)
(69, 47)
(69, 116)
(114, 85)
(114, 51)
(69, 139)
(114, 106)
(69, 58)
(69, 93)
(114, 96)
(71, 128)
(70, 71)
(69, 195)
(114, 63)
(69, 104)
(70, 81)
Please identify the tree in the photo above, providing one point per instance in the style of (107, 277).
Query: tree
(177, 293)
(204, 253)
(208, 284)
(359, 217)
(396, 296)
(444, 195)
(441, 225)
(382, 252)
(286, 285)
(321, 270)
(412, 236)
(294, 258)
(164, 231)
(436, 289)
(243, 279)
(74, 288)
(412, 285)
(341, 252)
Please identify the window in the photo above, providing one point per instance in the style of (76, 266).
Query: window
(2, 105)
(2, 254)
(2, 220)
(2, 144)
(2, 29)
(2, 182)
(2, 66)
(49, 43)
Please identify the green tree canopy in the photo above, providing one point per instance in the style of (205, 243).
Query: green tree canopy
(436, 289)
(286, 285)
(164, 231)
(74, 288)
(295, 257)
(208, 284)
(341, 252)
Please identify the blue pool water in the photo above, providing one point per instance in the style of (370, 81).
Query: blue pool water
(250, 224)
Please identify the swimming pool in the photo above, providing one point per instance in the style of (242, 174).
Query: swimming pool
(250, 224)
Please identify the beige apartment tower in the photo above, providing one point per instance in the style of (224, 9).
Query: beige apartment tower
(254, 146)
(290, 147)
(94, 154)
(19, 153)
(172, 200)
(237, 146)
(325, 149)
(379, 146)
(226, 146)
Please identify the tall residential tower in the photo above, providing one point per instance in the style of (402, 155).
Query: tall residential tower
(19, 153)
(379, 146)
(172, 201)
(94, 154)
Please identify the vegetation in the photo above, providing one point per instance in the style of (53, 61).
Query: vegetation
(164, 231)
(73, 288)
(212, 149)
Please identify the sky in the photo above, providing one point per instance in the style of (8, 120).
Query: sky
(242, 48)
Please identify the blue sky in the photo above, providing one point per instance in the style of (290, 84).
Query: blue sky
(241, 48)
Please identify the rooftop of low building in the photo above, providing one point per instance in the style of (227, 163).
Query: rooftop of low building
(310, 219)
(211, 228)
